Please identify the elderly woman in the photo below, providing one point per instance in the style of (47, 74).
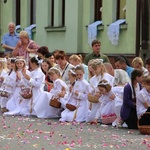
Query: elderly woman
(25, 47)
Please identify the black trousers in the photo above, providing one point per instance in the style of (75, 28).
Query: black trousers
(145, 119)
(132, 120)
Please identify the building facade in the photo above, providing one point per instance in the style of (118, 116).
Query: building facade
(63, 24)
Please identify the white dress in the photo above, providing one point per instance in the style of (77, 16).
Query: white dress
(42, 107)
(3, 74)
(9, 85)
(107, 107)
(118, 90)
(37, 79)
(142, 97)
(80, 101)
(17, 102)
(94, 83)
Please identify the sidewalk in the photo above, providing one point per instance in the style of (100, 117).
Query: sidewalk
(29, 133)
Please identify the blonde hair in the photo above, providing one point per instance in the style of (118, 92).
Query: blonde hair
(137, 60)
(97, 63)
(24, 34)
(76, 58)
(3, 65)
(90, 75)
(146, 80)
(54, 70)
(19, 58)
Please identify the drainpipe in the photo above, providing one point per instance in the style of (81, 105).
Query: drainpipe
(137, 47)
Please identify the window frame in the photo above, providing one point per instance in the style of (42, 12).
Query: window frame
(32, 12)
(62, 17)
(97, 12)
(18, 12)
(118, 10)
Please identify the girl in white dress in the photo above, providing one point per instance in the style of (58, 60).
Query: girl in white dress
(17, 102)
(78, 98)
(100, 73)
(3, 69)
(36, 79)
(107, 100)
(9, 84)
(143, 102)
(59, 90)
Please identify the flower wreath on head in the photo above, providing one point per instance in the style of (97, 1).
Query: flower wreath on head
(72, 71)
(103, 83)
(38, 60)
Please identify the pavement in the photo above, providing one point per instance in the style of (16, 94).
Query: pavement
(31, 133)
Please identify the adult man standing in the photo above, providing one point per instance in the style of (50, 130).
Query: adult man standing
(96, 44)
(9, 40)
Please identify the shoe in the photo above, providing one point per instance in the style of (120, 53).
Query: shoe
(4, 110)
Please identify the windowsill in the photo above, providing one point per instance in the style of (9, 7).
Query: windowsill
(123, 26)
(99, 27)
(55, 29)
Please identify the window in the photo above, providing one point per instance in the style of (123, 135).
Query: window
(18, 12)
(98, 10)
(63, 12)
(121, 9)
(57, 13)
(32, 11)
(52, 13)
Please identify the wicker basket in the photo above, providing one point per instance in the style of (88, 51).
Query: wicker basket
(70, 107)
(92, 98)
(144, 129)
(54, 102)
(26, 93)
(108, 120)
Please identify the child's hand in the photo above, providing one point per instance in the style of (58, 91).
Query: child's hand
(18, 75)
(98, 94)
(1, 78)
(24, 72)
(62, 94)
(70, 88)
(146, 105)
(112, 97)
(76, 93)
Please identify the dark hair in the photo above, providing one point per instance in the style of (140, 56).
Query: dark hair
(147, 61)
(12, 60)
(122, 59)
(95, 42)
(60, 55)
(43, 50)
(49, 65)
(55, 52)
(135, 73)
(48, 55)
(35, 60)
